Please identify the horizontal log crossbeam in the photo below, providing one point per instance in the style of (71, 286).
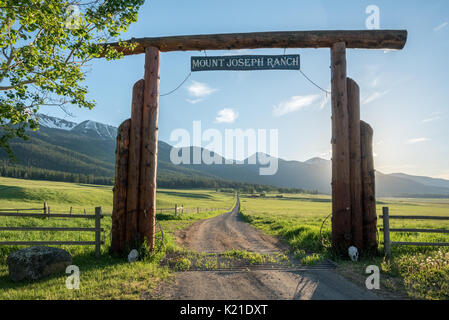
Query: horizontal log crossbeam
(354, 39)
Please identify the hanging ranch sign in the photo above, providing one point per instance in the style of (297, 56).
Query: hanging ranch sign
(245, 63)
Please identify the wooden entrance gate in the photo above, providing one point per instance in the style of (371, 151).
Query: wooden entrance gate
(353, 197)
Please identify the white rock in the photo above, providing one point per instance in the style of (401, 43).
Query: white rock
(353, 253)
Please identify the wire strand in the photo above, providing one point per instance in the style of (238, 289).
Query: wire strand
(304, 75)
(179, 86)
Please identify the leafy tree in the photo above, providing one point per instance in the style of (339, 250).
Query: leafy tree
(44, 48)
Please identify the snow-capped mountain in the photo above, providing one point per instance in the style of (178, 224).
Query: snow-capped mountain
(97, 128)
(87, 127)
(55, 123)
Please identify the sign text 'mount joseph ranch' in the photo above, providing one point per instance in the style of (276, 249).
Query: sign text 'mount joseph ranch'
(248, 62)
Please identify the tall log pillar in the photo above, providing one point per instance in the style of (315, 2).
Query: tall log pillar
(355, 164)
(341, 190)
(369, 197)
(135, 144)
(119, 214)
(148, 162)
(134, 213)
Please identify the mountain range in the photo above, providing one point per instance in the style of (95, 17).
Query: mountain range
(89, 148)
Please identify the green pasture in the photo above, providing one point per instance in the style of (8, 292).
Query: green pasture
(303, 221)
(107, 277)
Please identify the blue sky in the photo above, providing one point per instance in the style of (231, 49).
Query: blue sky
(404, 93)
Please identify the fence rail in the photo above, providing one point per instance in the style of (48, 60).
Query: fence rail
(180, 209)
(97, 229)
(27, 209)
(386, 230)
(47, 215)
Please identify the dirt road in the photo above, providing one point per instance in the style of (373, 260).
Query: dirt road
(227, 232)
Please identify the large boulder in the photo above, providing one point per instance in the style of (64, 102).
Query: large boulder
(34, 263)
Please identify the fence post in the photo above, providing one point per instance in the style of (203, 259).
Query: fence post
(386, 227)
(45, 207)
(197, 210)
(176, 209)
(97, 231)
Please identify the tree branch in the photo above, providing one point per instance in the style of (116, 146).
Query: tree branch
(6, 88)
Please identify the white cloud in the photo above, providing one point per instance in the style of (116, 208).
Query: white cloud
(194, 101)
(236, 52)
(431, 119)
(325, 101)
(375, 82)
(326, 98)
(293, 104)
(376, 95)
(226, 115)
(199, 91)
(390, 50)
(416, 140)
(441, 26)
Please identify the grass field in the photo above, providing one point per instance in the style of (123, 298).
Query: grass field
(104, 278)
(413, 272)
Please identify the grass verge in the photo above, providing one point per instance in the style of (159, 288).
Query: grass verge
(413, 272)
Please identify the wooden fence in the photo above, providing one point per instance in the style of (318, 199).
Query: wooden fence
(18, 213)
(386, 230)
(45, 212)
(179, 209)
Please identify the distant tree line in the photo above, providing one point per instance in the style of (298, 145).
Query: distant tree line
(164, 180)
(32, 173)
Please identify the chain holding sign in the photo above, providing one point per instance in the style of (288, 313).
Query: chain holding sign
(246, 63)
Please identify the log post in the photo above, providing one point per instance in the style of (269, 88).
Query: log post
(369, 191)
(135, 144)
(98, 216)
(355, 164)
(341, 202)
(148, 163)
(386, 227)
(120, 188)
